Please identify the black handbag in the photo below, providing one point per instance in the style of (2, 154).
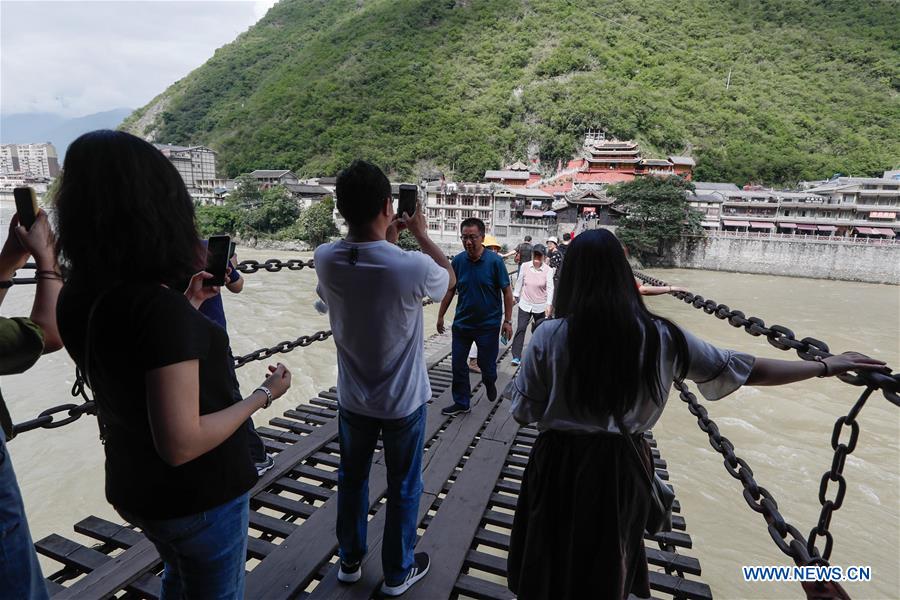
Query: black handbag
(661, 495)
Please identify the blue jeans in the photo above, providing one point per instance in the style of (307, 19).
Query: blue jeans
(20, 573)
(488, 343)
(204, 554)
(404, 441)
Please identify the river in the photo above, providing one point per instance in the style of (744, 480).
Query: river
(783, 433)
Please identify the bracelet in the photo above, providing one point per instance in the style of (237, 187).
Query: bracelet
(48, 275)
(825, 373)
(268, 394)
(507, 321)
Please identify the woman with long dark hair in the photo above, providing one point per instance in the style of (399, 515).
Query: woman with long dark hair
(177, 458)
(598, 372)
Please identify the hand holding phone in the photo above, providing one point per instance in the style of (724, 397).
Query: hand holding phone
(26, 206)
(217, 259)
(408, 200)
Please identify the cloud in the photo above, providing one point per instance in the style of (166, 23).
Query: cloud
(75, 58)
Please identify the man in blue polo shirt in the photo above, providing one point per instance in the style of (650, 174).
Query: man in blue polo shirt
(485, 299)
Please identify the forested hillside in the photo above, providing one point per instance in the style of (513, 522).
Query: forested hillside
(469, 85)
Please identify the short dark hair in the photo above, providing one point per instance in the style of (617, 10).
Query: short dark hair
(123, 213)
(567, 237)
(473, 222)
(361, 190)
(527, 238)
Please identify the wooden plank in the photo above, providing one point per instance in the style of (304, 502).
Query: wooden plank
(292, 425)
(489, 563)
(257, 548)
(472, 587)
(441, 459)
(671, 560)
(285, 505)
(73, 554)
(291, 565)
(309, 491)
(271, 525)
(108, 532)
(678, 587)
(449, 536)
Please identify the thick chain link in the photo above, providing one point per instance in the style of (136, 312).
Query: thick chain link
(274, 265)
(784, 339)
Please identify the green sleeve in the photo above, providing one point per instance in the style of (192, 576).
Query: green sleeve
(21, 344)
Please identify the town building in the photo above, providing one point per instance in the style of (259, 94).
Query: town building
(212, 191)
(605, 161)
(32, 160)
(266, 178)
(194, 163)
(10, 181)
(306, 194)
(840, 207)
(517, 174)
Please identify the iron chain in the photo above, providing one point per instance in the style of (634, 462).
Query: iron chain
(784, 339)
(274, 265)
(787, 537)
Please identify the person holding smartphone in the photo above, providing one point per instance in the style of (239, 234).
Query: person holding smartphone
(22, 341)
(177, 458)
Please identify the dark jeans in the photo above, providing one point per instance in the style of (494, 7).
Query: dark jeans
(257, 447)
(519, 337)
(404, 442)
(488, 343)
(20, 573)
(204, 554)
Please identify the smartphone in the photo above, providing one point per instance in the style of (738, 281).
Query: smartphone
(408, 199)
(217, 259)
(504, 340)
(26, 206)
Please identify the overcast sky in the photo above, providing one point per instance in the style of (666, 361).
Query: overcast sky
(76, 58)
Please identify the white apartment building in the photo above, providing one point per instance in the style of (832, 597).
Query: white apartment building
(509, 213)
(34, 160)
(194, 163)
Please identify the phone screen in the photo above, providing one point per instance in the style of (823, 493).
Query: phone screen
(26, 206)
(408, 199)
(217, 259)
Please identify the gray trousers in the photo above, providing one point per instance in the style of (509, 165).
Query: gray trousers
(519, 337)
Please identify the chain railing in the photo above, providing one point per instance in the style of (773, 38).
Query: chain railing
(47, 419)
(790, 540)
(784, 339)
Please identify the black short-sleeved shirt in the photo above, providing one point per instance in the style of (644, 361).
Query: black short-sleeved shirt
(139, 327)
(525, 250)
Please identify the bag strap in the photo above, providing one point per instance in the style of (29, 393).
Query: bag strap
(637, 455)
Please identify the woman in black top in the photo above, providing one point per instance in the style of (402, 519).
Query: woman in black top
(177, 461)
(602, 368)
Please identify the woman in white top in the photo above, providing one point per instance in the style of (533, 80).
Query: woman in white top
(605, 365)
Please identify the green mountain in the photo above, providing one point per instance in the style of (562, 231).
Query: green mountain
(769, 91)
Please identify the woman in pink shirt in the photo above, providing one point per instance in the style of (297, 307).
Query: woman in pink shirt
(534, 297)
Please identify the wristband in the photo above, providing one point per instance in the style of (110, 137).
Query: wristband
(824, 364)
(507, 321)
(268, 394)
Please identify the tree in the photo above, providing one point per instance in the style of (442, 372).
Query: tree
(277, 209)
(407, 241)
(657, 214)
(316, 223)
(246, 193)
(216, 220)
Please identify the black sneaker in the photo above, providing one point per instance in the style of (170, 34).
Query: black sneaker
(417, 572)
(454, 409)
(262, 467)
(350, 572)
(491, 390)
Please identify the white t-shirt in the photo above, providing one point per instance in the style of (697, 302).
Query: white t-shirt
(374, 293)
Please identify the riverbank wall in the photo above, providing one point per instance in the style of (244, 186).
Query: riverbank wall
(817, 259)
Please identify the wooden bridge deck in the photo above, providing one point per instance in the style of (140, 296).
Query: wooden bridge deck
(473, 467)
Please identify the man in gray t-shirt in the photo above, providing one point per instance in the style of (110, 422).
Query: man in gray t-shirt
(374, 292)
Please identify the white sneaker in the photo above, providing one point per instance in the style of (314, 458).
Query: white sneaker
(350, 573)
(417, 572)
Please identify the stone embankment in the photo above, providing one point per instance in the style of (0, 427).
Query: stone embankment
(793, 257)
